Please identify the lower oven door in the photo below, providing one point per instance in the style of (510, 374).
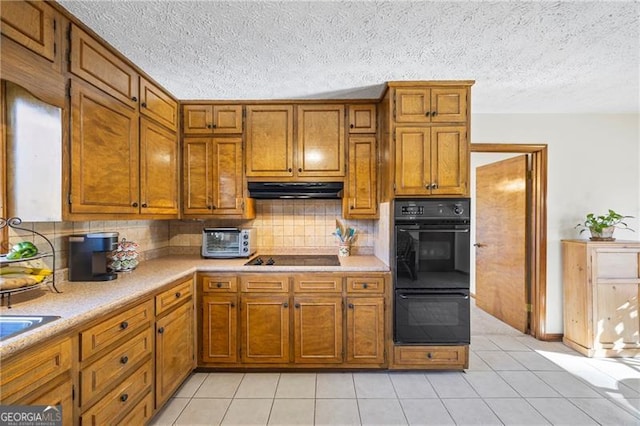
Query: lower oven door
(432, 317)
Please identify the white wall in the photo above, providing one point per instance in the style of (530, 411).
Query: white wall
(593, 166)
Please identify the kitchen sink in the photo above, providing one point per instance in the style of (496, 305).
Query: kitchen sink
(11, 325)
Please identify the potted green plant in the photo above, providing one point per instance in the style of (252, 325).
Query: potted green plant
(602, 226)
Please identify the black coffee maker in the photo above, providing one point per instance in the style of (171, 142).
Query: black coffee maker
(89, 256)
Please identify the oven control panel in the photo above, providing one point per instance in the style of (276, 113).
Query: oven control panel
(416, 209)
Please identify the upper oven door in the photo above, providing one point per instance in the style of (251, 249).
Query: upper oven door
(431, 256)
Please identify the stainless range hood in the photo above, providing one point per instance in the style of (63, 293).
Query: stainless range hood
(308, 190)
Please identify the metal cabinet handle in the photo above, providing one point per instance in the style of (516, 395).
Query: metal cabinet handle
(365, 285)
(285, 305)
(350, 305)
(161, 330)
(290, 169)
(428, 113)
(219, 285)
(144, 205)
(351, 126)
(143, 105)
(429, 355)
(124, 325)
(434, 113)
(178, 294)
(209, 126)
(124, 397)
(134, 204)
(233, 305)
(297, 306)
(134, 99)
(124, 360)
(299, 169)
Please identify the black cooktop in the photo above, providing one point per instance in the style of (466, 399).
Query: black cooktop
(295, 260)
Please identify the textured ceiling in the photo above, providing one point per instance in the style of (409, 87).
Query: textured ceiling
(526, 56)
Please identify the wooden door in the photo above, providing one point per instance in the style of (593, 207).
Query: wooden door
(412, 105)
(61, 394)
(227, 176)
(318, 329)
(158, 170)
(501, 241)
(220, 328)
(265, 329)
(158, 105)
(365, 330)
(227, 119)
(97, 65)
(198, 176)
(269, 141)
(412, 163)
(31, 24)
(616, 318)
(362, 118)
(174, 351)
(449, 161)
(320, 140)
(449, 105)
(197, 119)
(360, 200)
(104, 153)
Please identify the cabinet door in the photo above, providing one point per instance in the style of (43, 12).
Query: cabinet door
(227, 173)
(158, 169)
(158, 105)
(227, 119)
(198, 176)
(362, 119)
(104, 153)
(412, 105)
(365, 330)
(31, 24)
(318, 329)
(320, 141)
(361, 199)
(448, 105)
(60, 394)
(197, 119)
(413, 163)
(269, 140)
(174, 351)
(94, 63)
(265, 329)
(220, 328)
(616, 321)
(449, 160)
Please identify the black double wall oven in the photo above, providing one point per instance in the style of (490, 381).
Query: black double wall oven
(431, 271)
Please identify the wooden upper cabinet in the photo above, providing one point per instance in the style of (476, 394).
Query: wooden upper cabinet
(227, 172)
(95, 64)
(158, 105)
(361, 199)
(198, 176)
(269, 141)
(159, 177)
(430, 105)
(362, 118)
(320, 140)
(212, 119)
(31, 24)
(104, 153)
(431, 160)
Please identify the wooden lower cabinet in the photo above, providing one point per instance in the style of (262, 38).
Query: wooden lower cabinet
(365, 330)
(264, 322)
(219, 328)
(317, 324)
(60, 394)
(175, 351)
(431, 357)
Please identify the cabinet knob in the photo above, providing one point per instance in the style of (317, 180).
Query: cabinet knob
(209, 126)
(134, 99)
(210, 207)
(124, 325)
(290, 169)
(285, 305)
(299, 169)
(350, 305)
(434, 186)
(161, 330)
(233, 305)
(134, 204)
(434, 113)
(124, 397)
(297, 306)
(213, 126)
(428, 113)
(351, 126)
(351, 207)
(219, 285)
(143, 105)
(144, 205)
(124, 360)
(178, 294)
(365, 285)
(429, 355)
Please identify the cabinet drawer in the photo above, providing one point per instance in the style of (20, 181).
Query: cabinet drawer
(617, 265)
(121, 399)
(365, 285)
(30, 370)
(264, 283)
(174, 296)
(114, 365)
(141, 413)
(317, 283)
(110, 330)
(432, 355)
(224, 284)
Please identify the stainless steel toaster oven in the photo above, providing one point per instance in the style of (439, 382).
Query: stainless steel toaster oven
(228, 242)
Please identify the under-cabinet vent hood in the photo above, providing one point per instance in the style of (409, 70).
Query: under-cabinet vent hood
(315, 190)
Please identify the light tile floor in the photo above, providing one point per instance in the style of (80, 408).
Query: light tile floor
(513, 379)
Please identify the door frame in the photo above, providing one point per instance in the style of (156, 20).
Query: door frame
(537, 246)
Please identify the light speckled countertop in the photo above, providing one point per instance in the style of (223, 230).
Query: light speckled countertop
(83, 301)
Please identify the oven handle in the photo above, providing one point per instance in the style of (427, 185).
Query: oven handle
(456, 231)
(424, 295)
